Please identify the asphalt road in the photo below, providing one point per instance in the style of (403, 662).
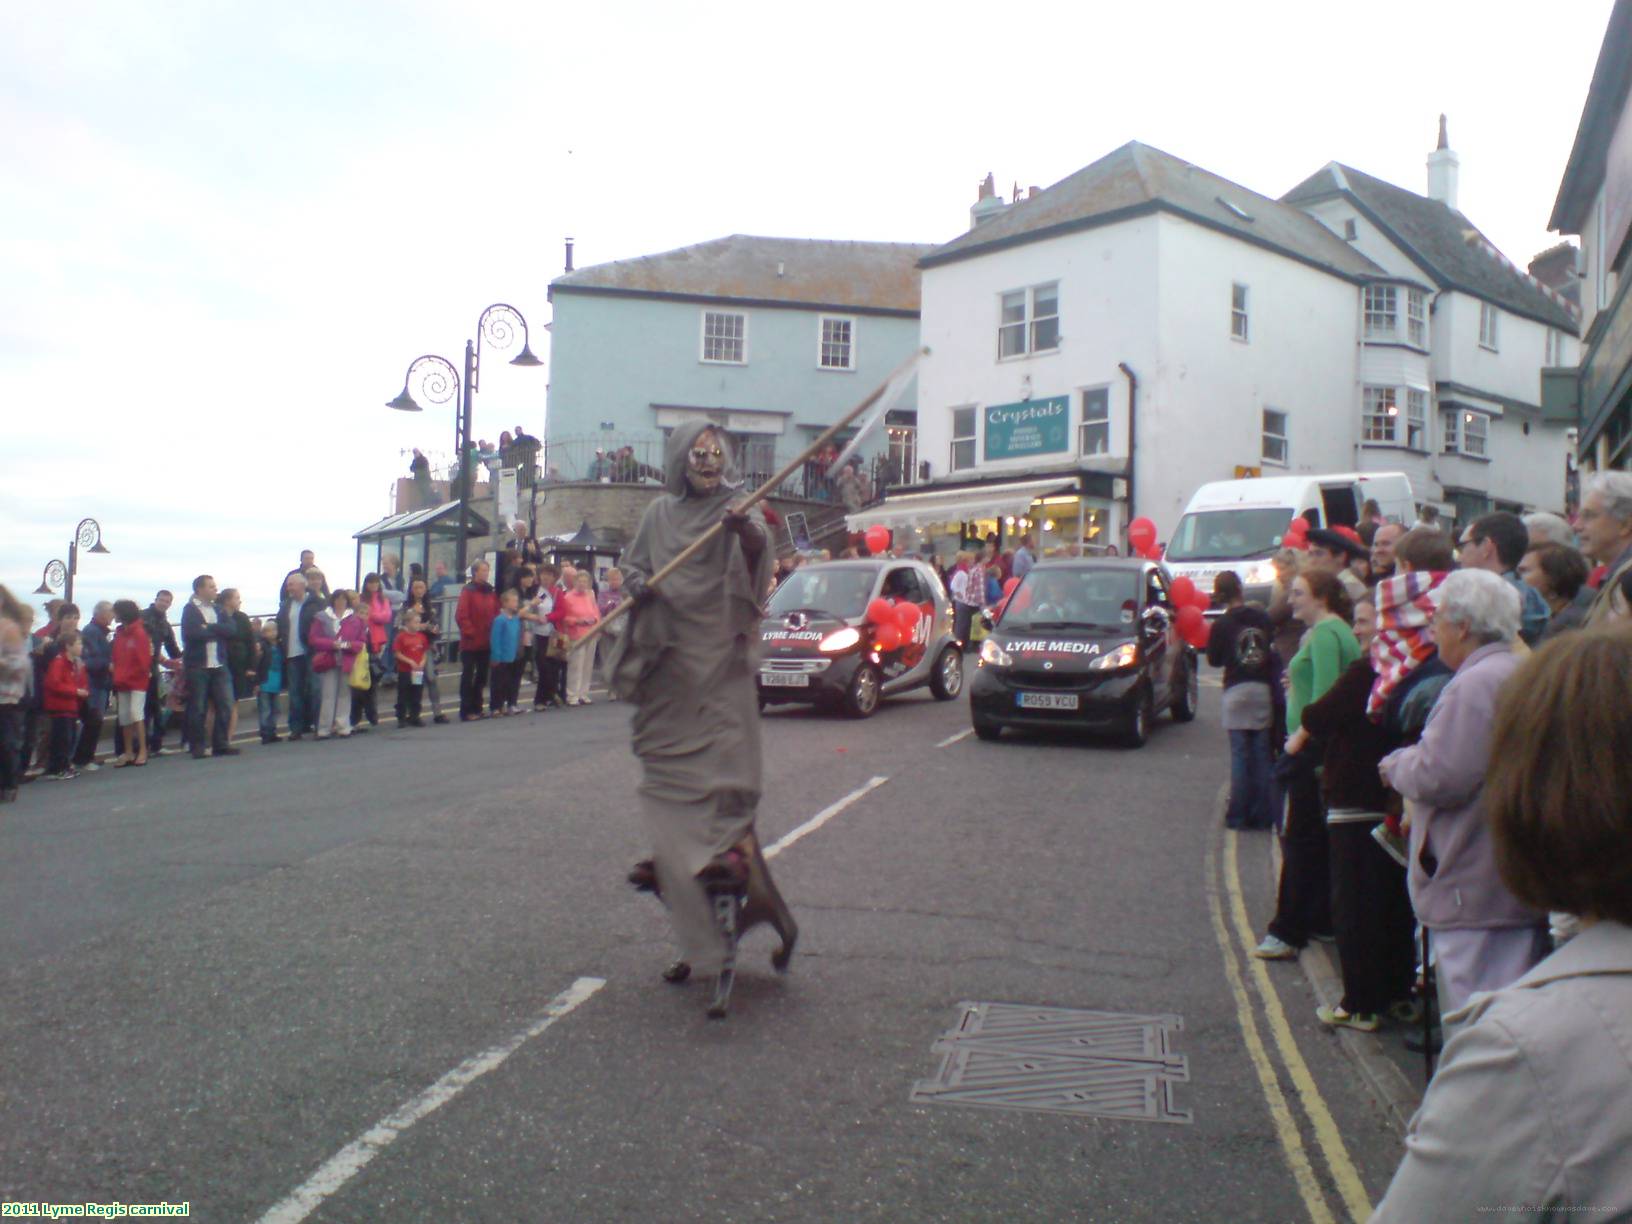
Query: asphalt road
(218, 978)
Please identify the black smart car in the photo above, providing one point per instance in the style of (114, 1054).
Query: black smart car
(1085, 644)
(818, 647)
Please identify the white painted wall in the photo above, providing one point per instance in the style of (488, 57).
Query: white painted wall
(1107, 315)
(1201, 414)
(1368, 239)
(1513, 370)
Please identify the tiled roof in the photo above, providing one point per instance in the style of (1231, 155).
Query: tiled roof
(1440, 240)
(862, 276)
(1137, 179)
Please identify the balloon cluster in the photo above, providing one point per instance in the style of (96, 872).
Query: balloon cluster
(1297, 534)
(1190, 622)
(893, 623)
(1142, 539)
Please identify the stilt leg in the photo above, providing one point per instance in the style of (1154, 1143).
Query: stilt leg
(727, 909)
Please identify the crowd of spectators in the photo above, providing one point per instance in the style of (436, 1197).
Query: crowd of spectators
(1424, 694)
(315, 668)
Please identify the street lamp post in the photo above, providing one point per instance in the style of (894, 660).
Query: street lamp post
(439, 382)
(88, 535)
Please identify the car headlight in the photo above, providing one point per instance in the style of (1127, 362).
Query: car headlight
(839, 640)
(1125, 655)
(992, 653)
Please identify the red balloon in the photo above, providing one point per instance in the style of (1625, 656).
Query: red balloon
(887, 637)
(881, 612)
(1297, 528)
(1184, 591)
(878, 539)
(1201, 601)
(1142, 534)
(1192, 625)
(906, 616)
(1009, 584)
(1151, 554)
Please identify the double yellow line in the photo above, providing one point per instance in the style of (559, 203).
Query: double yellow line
(1328, 1138)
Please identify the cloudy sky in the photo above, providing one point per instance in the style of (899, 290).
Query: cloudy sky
(225, 229)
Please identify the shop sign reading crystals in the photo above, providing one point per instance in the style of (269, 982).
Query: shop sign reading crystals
(1034, 427)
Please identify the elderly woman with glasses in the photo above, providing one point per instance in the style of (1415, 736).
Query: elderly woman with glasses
(1484, 937)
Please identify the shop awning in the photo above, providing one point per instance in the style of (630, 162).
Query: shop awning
(1009, 499)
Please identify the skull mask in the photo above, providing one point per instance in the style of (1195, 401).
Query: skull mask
(705, 463)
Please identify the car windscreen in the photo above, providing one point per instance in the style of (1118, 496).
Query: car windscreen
(838, 592)
(1073, 598)
(1229, 535)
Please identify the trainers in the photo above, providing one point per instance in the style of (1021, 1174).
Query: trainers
(440, 719)
(1324, 937)
(66, 775)
(1275, 949)
(1337, 1017)
(89, 767)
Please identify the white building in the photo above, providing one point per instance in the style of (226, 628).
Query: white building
(1456, 329)
(1144, 326)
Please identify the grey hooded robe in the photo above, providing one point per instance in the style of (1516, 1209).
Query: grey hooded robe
(687, 663)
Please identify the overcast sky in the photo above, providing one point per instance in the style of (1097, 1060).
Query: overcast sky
(225, 229)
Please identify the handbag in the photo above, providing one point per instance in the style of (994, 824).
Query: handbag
(557, 649)
(361, 673)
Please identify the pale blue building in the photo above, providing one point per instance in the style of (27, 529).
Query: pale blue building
(771, 338)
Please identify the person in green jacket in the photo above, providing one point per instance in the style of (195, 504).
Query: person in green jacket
(1303, 907)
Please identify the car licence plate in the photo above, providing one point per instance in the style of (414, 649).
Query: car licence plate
(1048, 701)
(785, 679)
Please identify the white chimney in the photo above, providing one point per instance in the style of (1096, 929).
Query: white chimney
(987, 206)
(1442, 165)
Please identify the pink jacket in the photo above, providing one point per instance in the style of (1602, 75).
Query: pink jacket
(379, 621)
(578, 613)
(336, 645)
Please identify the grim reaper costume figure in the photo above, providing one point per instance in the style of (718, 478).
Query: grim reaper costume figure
(687, 664)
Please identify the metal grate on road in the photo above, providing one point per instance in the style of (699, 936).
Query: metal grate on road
(1059, 1060)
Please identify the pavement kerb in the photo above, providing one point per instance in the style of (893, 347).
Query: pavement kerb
(447, 680)
(1397, 1094)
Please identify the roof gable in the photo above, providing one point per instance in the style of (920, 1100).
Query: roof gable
(795, 272)
(1137, 179)
(1440, 240)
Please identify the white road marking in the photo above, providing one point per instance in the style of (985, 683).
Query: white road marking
(351, 1159)
(952, 739)
(821, 817)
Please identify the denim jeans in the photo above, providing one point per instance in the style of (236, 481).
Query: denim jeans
(1252, 785)
(90, 732)
(266, 707)
(212, 685)
(297, 681)
(11, 746)
(63, 729)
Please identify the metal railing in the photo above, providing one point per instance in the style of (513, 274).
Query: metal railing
(630, 459)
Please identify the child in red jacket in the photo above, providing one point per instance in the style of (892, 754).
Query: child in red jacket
(67, 684)
(410, 646)
(132, 668)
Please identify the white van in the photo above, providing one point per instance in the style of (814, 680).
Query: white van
(1238, 524)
